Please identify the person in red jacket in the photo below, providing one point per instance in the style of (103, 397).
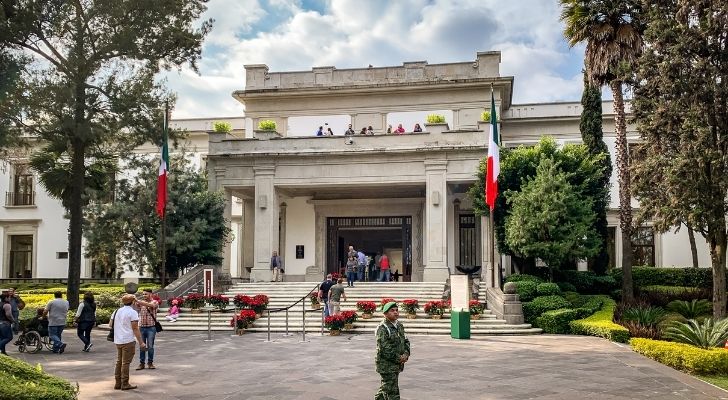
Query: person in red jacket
(384, 268)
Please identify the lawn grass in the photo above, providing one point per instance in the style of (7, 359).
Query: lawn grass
(717, 380)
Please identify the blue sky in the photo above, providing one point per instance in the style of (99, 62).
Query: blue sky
(298, 34)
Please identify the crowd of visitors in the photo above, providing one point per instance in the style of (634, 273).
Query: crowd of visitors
(325, 130)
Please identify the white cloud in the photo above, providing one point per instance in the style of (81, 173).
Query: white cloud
(354, 33)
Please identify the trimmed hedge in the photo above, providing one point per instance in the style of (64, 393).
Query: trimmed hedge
(523, 277)
(566, 287)
(683, 356)
(587, 282)
(21, 381)
(600, 324)
(557, 321)
(527, 290)
(548, 289)
(649, 276)
(540, 305)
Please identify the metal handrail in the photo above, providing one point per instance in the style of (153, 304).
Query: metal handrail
(303, 325)
(184, 283)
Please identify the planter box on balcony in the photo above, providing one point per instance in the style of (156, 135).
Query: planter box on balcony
(437, 128)
(266, 135)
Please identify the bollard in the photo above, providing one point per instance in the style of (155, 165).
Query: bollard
(268, 311)
(303, 303)
(209, 326)
(287, 334)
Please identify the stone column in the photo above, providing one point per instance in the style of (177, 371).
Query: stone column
(248, 240)
(436, 269)
(266, 222)
(228, 215)
(485, 273)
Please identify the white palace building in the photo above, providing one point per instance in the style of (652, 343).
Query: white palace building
(309, 196)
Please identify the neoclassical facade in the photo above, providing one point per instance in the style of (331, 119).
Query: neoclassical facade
(309, 197)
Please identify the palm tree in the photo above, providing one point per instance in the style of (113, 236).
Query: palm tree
(612, 31)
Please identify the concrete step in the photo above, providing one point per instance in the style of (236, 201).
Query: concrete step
(410, 331)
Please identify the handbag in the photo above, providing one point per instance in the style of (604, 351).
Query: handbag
(110, 336)
(157, 325)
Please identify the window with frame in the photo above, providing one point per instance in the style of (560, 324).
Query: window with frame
(23, 193)
(643, 246)
(21, 256)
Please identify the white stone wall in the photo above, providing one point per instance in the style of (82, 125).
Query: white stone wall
(300, 230)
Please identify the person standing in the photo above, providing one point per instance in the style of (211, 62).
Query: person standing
(85, 320)
(320, 131)
(56, 311)
(16, 304)
(350, 131)
(147, 310)
(361, 259)
(125, 322)
(335, 294)
(276, 267)
(351, 264)
(384, 268)
(323, 293)
(6, 322)
(393, 351)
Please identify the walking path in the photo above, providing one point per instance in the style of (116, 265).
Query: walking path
(327, 368)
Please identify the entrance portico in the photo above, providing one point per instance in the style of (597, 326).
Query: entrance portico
(294, 188)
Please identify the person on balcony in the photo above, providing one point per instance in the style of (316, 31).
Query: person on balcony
(329, 132)
(389, 129)
(370, 130)
(418, 128)
(363, 131)
(320, 131)
(400, 129)
(350, 131)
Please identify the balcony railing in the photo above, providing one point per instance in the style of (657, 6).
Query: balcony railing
(19, 199)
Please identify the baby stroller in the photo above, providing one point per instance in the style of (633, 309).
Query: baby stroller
(34, 336)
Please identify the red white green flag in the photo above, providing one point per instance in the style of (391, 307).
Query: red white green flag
(491, 179)
(163, 170)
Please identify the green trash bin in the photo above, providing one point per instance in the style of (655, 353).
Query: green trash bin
(460, 324)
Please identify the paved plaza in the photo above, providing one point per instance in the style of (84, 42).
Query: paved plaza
(326, 368)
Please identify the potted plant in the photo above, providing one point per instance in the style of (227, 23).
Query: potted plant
(385, 301)
(259, 304)
(242, 321)
(242, 301)
(367, 308)
(267, 125)
(180, 301)
(222, 127)
(410, 307)
(334, 324)
(435, 309)
(195, 301)
(435, 119)
(349, 319)
(219, 301)
(315, 303)
(476, 309)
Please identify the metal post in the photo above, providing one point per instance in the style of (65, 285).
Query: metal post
(303, 303)
(287, 334)
(268, 311)
(209, 326)
(323, 316)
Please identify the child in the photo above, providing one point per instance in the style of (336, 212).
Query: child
(173, 313)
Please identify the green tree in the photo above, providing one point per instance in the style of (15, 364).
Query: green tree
(682, 117)
(612, 31)
(129, 230)
(518, 165)
(92, 95)
(551, 219)
(590, 126)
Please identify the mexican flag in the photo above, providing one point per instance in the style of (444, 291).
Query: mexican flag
(491, 179)
(163, 170)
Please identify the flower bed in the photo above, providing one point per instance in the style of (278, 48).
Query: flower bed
(683, 356)
(600, 324)
(20, 380)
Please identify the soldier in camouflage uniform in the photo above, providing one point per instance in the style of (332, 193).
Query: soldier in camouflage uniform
(393, 350)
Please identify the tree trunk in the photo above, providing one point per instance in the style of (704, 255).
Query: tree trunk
(625, 197)
(693, 247)
(718, 260)
(75, 226)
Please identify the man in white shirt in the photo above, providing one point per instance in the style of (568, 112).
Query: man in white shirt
(56, 311)
(126, 329)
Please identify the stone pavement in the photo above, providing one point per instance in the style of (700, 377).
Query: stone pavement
(326, 368)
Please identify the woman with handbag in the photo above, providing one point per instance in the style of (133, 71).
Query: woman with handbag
(147, 308)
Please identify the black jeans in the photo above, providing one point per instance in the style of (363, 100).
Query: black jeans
(6, 335)
(84, 332)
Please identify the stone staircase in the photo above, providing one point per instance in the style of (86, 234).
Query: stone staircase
(282, 294)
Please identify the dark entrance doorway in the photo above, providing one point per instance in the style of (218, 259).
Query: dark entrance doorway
(371, 235)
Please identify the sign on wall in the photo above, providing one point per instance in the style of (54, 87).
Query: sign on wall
(207, 282)
(299, 251)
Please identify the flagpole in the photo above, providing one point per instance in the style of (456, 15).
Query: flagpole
(492, 225)
(164, 215)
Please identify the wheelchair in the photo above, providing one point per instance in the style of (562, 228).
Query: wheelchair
(33, 338)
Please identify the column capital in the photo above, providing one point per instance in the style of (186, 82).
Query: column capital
(435, 165)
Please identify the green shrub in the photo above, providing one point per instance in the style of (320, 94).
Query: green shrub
(566, 287)
(587, 282)
(605, 284)
(435, 119)
(222, 126)
(523, 277)
(644, 315)
(267, 125)
(103, 315)
(600, 324)
(107, 300)
(540, 305)
(682, 356)
(21, 381)
(691, 309)
(591, 305)
(574, 298)
(705, 334)
(557, 321)
(649, 276)
(526, 290)
(548, 289)
(485, 116)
